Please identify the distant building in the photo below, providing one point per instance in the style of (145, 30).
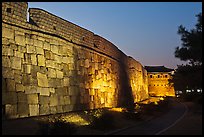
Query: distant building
(158, 84)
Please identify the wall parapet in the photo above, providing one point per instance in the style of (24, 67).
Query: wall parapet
(40, 19)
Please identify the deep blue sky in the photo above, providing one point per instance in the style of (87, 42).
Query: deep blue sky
(147, 31)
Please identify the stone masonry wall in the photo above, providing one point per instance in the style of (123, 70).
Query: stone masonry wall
(50, 66)
(138, 80)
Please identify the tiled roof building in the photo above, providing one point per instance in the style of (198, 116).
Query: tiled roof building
(158, 84)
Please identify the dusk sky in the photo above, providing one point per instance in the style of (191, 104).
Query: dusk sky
(147, 31)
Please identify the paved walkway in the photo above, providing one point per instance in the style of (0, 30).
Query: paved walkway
(183, 119)
(190, 124)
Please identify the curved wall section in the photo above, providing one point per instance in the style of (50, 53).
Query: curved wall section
(50, 66)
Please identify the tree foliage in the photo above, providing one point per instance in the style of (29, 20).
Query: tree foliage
(189, 76)
(191, 49)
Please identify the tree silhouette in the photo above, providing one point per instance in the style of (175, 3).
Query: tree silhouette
(189, 76)
(191, 49)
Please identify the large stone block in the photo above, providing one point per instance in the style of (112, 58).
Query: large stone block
(70, 60)
(52, 83)
(23, 109)
(46, 45)
(9, 98)
(44, 109)
(59, 109)
(33, 59)
(53, 100)
(86, 63)
(39, 51)
(20, 87)
(43, 70)
(52, 90)
(58, 58)
(67, 100)
(54, 49)
(32, 98)
(27, 69)
(54, 41)
(53, 109)
(47, 54)
(61, 91)
(27, 58)
(29, 41)
(31, 49)
(66, 81)
(6, 61)
(7, 33)
(11, 110)
(18, 54)
(60, 100)
(52, 73)
(42, 80)
(66, 108)
(44, 91)
(5, 50)
(73, 90)
(16, 63)
(22, 97)
(20, 40)
(71, 66)
(38, 43)
(51, 64)
(14, 46)
(10, 85)
(34, 110)
(7, 73)
(20, 32)
(22, 49)
(59, 74)
(5, 41)
(41, 60)
(26, 79)
(43, 100)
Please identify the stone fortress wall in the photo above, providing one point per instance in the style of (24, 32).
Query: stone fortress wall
(50, 66)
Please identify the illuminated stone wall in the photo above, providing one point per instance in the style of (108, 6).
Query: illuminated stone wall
(50, 66)
(138, 80)
(158, 84)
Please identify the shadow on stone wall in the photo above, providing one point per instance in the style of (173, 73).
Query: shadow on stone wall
(125, 96)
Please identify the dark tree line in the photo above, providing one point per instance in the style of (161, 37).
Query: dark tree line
(189, 76)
